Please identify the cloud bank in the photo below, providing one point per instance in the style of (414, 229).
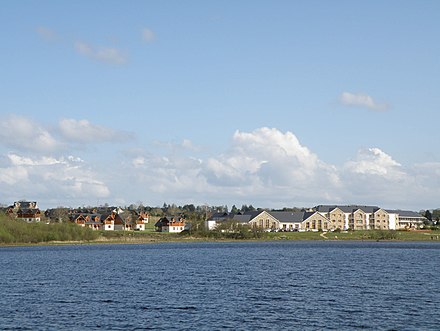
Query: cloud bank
(265, 167)
(25, 134)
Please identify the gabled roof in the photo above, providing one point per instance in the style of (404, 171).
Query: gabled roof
(166, 220)
(28, 211)
(25, 204)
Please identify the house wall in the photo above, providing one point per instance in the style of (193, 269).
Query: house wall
(140, 226)
(337, 219)
(265, 221)
(29, 219)
(109, 226)
(358, 220)
(290, 226)
(409, 222)
(380, 220)
(177, 228)
(210, 224)
(315, 222)
(393, 221)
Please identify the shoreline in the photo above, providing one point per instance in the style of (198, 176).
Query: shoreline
(147, 238)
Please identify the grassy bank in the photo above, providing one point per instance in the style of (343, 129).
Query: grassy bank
(19, 232)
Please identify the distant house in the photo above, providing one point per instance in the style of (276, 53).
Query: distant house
(27, 211)
(114, 221)
(144, 217)
(107, 219)
(139, 225)
(92, 221)
(29, 215)
(172, 224)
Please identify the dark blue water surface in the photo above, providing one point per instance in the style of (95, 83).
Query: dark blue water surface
(212, 286)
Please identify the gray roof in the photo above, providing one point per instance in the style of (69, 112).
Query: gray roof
(242, 218)
(287, 216)
(404, 213)
(346, 208)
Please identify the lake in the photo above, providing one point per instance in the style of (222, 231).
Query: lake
(212, 286)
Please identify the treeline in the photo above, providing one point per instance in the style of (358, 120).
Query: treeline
(19, 232)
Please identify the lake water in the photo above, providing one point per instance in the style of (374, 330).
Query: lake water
(213, 286)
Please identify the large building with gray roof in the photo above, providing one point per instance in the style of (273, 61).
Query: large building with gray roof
(323, 218)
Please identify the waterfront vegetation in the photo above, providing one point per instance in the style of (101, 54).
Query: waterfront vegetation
(18, 232)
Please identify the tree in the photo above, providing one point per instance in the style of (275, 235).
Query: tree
(234, 209)
(59, 214)
(436, 214)
(428, 215)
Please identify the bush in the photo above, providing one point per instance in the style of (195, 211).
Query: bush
(14, 231)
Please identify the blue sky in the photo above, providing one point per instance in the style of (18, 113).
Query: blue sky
(286, 103)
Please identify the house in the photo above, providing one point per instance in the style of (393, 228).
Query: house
(144, 217)
(139, 225)
(223, 217)
(172, 224)
(27, 211)
(87, 220)
(30, 215)
(93, 221)
(215, 219)
(114, 222)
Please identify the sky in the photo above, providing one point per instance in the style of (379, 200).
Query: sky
(270, 103)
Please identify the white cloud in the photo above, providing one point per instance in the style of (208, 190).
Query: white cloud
(374, 177)
(46, 33)
(17, 160)
(102, 54)
(265, 164)
(148, 35)
(26, 134)
(85, 132)
(361, 100)
(48, 178)
(270, 168)
(265, 167)
(373, 161)
(269, 162)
